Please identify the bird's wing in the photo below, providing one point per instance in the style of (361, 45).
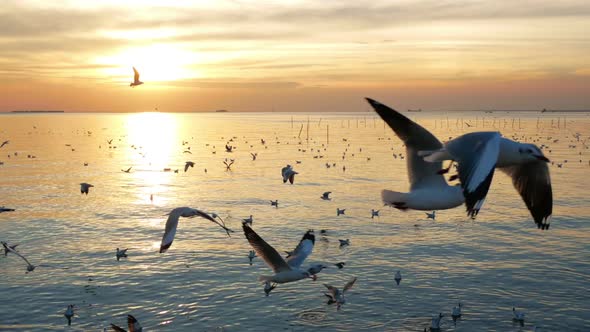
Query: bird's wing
(292, 177)
(303, 249)
(334, 292)
(477, 154)
(186, 167)
(265, 251)
(169, 232)
(117, 328)
(205, 215)
(533, 183)
(16, 253)
(349, 285)
(135, 75)
(421, 173)
(133, 324)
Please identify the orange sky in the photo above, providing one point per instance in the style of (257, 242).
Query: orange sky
(294, 55)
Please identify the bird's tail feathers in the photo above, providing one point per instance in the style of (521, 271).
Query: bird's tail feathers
(395, 199)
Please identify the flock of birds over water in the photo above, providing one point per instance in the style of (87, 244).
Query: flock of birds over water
(474, 156)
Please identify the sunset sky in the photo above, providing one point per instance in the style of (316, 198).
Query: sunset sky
(294, 55)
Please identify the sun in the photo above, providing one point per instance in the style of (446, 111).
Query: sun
(155, 63)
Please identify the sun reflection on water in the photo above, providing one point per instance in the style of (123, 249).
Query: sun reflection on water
(152, 138)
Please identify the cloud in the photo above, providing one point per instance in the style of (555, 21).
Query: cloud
(212, 84)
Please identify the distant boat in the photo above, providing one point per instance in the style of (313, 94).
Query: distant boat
(418, 110)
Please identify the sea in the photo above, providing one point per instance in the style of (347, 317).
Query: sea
(490, 265)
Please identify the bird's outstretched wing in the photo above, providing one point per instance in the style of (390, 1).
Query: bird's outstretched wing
(333, 291)
(135, 75)
(416, 138)
(265, 251)
(477, 154)
(132, 324)
(533, 183)
(302, 251)
(117, 328)
(349, 285)
(12, 250)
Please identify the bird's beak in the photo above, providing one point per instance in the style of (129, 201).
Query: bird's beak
(542, 158)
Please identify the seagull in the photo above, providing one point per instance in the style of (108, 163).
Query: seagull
(480, 153)
(285, 270)
(340, 265)
(431, 215)
(518, 316)
(336, 296)
(456, 313)
(136, 80)
(228, 165)
(30, 267)
(398, 277)
(344, 242)
(268, 287)
(5, 209)
(4, 143)
(132, 324)
(288, 174)
(428, 189)
(122, 253)
(172, 223)
(127, 170)
(339, 211)
(248, 220)
(251, 256)
(228, 148)
(254, 155)
(326, 196)
(188, 164)
(274, 203)
(84, 187)
(436, 320)
(69, 313)
(374, 213)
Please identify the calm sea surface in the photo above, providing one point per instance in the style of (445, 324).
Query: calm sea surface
(204, 282)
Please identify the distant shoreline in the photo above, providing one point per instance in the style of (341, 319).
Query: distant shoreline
(37, 111)
(296, 112)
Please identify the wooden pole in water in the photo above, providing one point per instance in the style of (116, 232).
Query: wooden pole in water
(291, 122)
(300, 130)
(307, 137)
(320, 123)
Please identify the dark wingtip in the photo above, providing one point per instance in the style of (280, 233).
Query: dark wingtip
(309, 235)
(165, 247)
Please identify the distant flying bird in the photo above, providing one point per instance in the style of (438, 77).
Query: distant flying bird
(285, 270)
(274, 203)
(228, 148)
(336, 296)
(251, 255)
(288, 174)
(132, 324)
(374, 213)
(248, 220)
(254, 155)
(344, 242)
(69, 313)
(340, 265)
(4, 143)
(6, 250)
(121, 253)
(326, 196)
(188, 164)
(136, 80)
(228, 165)
(172, 224)
(431, 215)
(398, 277)
(339, 211)
(127, 170)
(85, 187)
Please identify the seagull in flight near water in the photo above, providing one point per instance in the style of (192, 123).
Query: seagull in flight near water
(136, 80)
(336, 296)
(30, 267)
(477, 154)
(172, 224)
(286, 270)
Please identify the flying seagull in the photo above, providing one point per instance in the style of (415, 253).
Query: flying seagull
(132, 324)
(188, 164)
(428, 189)
(285, 270)
(85, 187)
(336, 296)
(172, 223)
(478, 154)
(6, 250)
(4, 143)
(127, 170)
(288, 174)
(136, 80)
(121, 253)
(326, 196)
(5, 209)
